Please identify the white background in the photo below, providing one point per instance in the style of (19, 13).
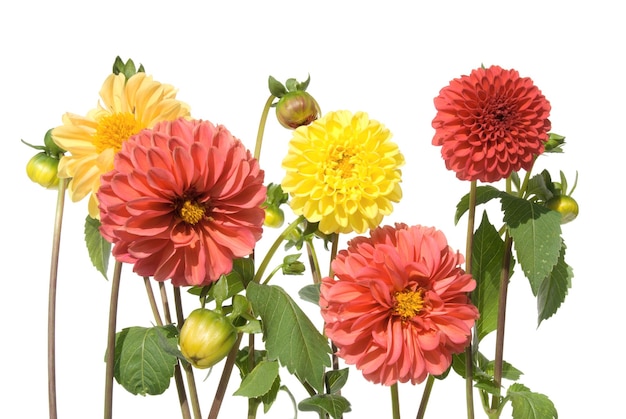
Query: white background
(389, 61)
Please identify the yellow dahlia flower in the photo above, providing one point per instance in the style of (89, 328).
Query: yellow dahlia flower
(126, 107)
(343, 172)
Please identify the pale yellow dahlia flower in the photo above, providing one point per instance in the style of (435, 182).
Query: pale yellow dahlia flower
(126, 107)
(342, 171)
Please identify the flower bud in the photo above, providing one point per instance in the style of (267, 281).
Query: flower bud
(206, 337)
(274, 217)
(566, 205)
(43, 169)
(297, 108)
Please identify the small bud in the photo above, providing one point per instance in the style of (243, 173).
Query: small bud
(555, 143)
(297, 108)
(43, 169)
(206, 337)
(566, 205)
(274, 217)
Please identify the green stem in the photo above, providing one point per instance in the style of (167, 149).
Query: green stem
(110, 352)
(259, 137)
(313, 262)
(223, 383)
(499, 357)
(274, 248)
(52, 297)
(469, 358)
(425, 396)
(191, 381)
(395, 402)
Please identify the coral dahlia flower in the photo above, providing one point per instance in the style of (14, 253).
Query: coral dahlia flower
(126, 107)
(399, 308)
(183, 200)
(490, 124)
(342, 171)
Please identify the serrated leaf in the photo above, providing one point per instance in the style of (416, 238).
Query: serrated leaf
(98, 248)
(484, 194)
(259, 381)
(554, 288)
(332, 404)
(310, 293)
(336, 379)
(142, 365)
(536, 233)
(529, 405)
(289, 334)
(487, 253)
(270, 397)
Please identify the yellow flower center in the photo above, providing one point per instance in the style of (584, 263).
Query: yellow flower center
(341, 163)
(408, 303)
(114, 129)
(191, 212)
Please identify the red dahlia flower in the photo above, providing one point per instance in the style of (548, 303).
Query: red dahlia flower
(490, 124)
(183, 200)
(399, 308)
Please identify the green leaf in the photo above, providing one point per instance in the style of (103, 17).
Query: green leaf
(529, 405)
(259, 381)
(536, 233)
(289, 334)
(270, 397)
(332, 404)
(484, 194)
(276, 88)
(98, 248)
(553, 289)
(336, 379)
(143, 365)
(310, 293)
(487, 253)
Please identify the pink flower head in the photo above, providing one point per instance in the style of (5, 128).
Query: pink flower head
(490, 124)
(399, 307)
(183, 200)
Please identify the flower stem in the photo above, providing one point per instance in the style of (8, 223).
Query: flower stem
(259, 273)
(259, 137)
(52, 296)
(221, 387)
(425, 396)
(110, 353)
(395, 402)
(504, 285)
(469, 358)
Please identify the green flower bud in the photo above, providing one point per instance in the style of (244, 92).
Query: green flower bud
(566, 205)
(555, 143)
(43, 169)
(297, 108)
(206, 337)
(274, 217)
(51, 147)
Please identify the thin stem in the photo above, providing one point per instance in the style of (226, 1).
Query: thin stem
(333, 254)
(252, 403)
(504, 285)
(191, 380)
(395, 402)
(221, 387)
(110, 353)
(52, 297)
(313, 262)
(259, 137)
(178, 378)
(152, 300)
(274, 248)
(425, 396)
(469, 358)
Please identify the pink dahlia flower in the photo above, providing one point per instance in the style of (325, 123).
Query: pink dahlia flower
(399, 307)
(490, 124)
(183, 200)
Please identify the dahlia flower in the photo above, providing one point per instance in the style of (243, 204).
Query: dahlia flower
(399, 308)
(342, 171)
(183, 200)
(490, 124)
(91, 141)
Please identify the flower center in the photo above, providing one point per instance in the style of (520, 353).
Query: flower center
(114, 129)
(341, 163)
(408, 303)
(191, 212)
